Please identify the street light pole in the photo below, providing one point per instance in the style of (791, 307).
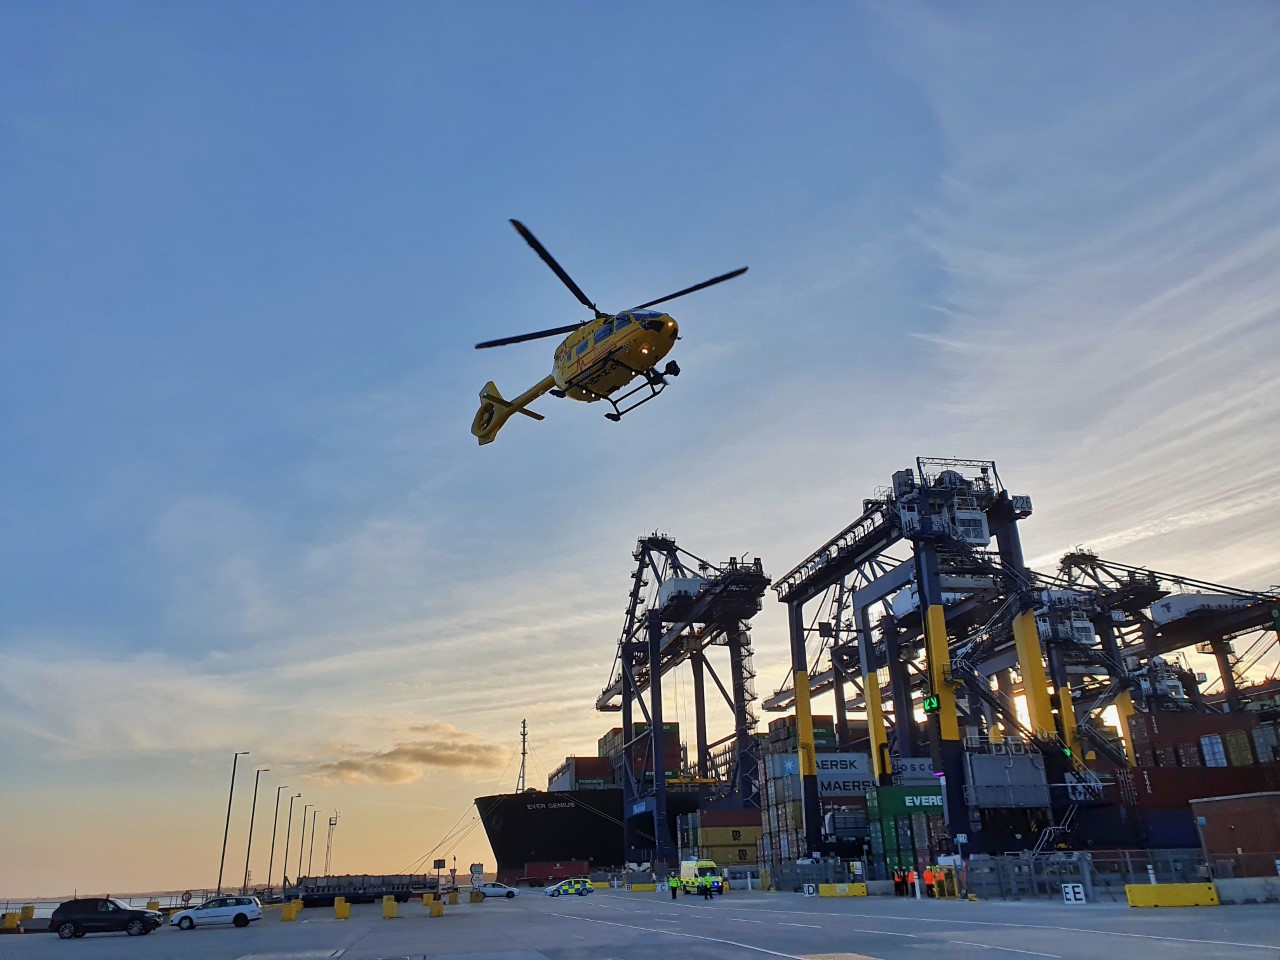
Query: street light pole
(284, 870)
(252, 810)
(275, 820)
(311, 853)
(227, 829)
(302, 835)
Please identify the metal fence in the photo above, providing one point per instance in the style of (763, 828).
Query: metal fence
(1233, 866)
(793, 876)
(1102, 873)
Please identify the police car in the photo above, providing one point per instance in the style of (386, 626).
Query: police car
(579, 885)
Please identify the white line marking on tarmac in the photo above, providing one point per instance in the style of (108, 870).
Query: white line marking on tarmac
(1024, 926)
(690, 936)
(884, 933)
(740, 920)
(811, 926)
(1030, 953)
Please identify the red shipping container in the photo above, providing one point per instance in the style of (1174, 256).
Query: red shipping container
(729, 818)
(556, 869)
(1177, 787)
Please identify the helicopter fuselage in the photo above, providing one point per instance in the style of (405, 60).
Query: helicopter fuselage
(608, 353)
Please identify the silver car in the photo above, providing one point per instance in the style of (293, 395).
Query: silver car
(491, 888)
(237, 911)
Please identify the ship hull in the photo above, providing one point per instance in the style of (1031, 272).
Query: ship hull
(565, 827)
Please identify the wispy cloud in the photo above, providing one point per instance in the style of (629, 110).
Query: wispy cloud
(442, 747)
(1112, 312)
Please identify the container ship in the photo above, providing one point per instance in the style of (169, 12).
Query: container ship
(575, 826)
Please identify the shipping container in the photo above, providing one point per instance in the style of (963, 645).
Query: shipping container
(556, 869)
(1170, 729)
(1266, 745)
(727, 836)
(747, 817)
(1160, 787)
(1170, 827)
(1189, 755)
(1239, 748)
(728, 855)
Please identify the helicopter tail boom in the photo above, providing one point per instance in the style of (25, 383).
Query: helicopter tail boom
(495, 410)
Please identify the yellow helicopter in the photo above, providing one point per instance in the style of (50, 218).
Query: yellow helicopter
(598, 357)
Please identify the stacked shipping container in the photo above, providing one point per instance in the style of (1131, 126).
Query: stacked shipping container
(1185, 756)
(730, 837)
(582, 773)
(610, 746)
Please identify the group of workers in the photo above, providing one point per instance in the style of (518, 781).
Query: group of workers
(704, 886)
(904, 881)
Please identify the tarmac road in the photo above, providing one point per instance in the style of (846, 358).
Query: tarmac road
(614, 925)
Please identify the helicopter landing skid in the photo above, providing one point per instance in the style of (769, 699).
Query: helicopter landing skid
(654, 383)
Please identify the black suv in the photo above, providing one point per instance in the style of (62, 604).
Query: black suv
(75, 918)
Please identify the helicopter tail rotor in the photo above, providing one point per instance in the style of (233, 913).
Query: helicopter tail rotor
(495, 410)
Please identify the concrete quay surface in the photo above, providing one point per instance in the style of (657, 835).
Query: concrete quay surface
(616, 925)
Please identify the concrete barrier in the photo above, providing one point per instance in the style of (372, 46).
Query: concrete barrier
(1171, 894)
(1248, 890)
(11, 921)
(288, 911)
(643, 887)
(435, 908)
(453, 898)
(390, 909)
(341, 909)
(842, 889)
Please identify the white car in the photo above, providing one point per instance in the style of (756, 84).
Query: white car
(492, 889)
(238, 911)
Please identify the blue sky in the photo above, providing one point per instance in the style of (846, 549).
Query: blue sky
(245, 251)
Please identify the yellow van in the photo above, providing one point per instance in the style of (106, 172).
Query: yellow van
(691, 870)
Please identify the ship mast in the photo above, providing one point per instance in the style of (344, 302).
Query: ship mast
(524, 752)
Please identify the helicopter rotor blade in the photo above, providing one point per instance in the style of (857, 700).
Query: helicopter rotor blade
(558, 270)
(528, 336)
(697, 286)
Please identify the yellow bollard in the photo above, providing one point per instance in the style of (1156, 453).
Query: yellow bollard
(153, 904)
(389, 907)
(11, 921)
(427, 898)
(288, 911)
(475, 897)
(436, 908)
(341, 909)
(28, 912)
(453, 898)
